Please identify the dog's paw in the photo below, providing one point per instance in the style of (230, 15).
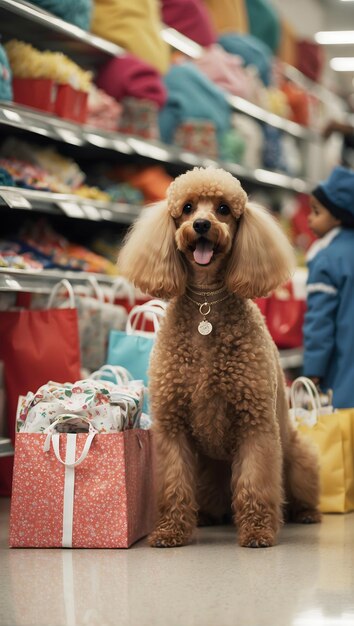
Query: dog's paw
(308, 516)
(172, 538)
(261, 539)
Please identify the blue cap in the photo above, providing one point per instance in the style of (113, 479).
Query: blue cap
(336, 194)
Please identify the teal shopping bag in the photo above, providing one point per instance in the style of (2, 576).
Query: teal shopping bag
(131, 352)
(132, 348)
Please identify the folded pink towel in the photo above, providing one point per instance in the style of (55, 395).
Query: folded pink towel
(226, 70)
(126, 76)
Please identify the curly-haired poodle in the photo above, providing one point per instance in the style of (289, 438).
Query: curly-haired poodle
(225, 444)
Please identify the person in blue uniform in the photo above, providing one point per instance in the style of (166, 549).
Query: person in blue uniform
(329, 320)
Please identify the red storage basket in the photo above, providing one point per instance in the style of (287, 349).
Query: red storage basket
(39, 93)
(71, 104)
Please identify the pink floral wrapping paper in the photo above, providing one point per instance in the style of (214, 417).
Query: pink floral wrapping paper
(114, 502)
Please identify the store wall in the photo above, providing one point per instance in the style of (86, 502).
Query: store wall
(306, 16)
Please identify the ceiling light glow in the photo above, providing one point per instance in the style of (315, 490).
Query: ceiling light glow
(335, 37)
(342, 64)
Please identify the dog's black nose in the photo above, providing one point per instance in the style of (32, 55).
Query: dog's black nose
(201, 226)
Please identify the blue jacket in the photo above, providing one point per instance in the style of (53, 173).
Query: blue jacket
(329, 320)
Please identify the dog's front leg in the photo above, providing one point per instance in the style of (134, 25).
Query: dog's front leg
(257, 494)
(177, 509)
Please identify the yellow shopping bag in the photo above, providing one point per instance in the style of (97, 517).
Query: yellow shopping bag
(333, 435)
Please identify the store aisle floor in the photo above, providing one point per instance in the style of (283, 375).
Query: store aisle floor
(307, 580)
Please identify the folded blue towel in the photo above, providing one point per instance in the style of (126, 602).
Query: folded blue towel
(5, 76)
(191, 95)
(252, 50)
(264, 22)
(78, 12)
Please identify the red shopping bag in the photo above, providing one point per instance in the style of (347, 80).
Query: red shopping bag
(285, 317)
(84, 491)
(35, 346)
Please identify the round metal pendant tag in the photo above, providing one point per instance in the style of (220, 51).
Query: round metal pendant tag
(205, 328)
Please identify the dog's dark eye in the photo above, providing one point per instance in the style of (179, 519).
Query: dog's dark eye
(223, 209)
(187, 208)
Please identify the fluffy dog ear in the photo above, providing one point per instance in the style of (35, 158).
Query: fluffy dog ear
(261, 258)
(149, 257)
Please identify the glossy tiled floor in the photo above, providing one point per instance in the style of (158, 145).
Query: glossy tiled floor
(307, 580)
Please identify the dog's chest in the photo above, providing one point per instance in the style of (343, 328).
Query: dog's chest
(207, 381)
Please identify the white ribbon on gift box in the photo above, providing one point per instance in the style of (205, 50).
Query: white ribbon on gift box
(70, 464)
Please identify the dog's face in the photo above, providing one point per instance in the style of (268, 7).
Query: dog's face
(205, 230)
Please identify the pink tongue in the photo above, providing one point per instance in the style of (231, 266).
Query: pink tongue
(203, 252)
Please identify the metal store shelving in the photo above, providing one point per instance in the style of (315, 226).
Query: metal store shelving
(42, 281)
(80, 135)
(32, 24)
(65, 204)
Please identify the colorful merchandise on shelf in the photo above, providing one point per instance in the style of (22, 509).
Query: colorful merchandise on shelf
(6, 179)
(273, 157)
(135, 26)
(228, 16)
(49, 81)
(92, 193)
(287, 50)
(310, 59)
(127, 76)
(298, 100)
(191, 18)
(102, 110)
(191, 95)
(232, 147)
(26, 175)
(264, 22)
(41, 239)
(227, 71)
(253, 52)
(197, 136)
(44, 168)
(5, 76)
(124, 193)
(16, 254)
(28, 62)
(292, 161)
(139, 117)
(152, 181)
(275, 101)
(78, 12)
(251, 132)
(9, 257)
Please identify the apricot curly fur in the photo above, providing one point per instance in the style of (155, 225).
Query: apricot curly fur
(223, 436)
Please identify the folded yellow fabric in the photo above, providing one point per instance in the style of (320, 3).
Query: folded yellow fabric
(228, 16)
(135, 26)
(287, 50)
(28, 62)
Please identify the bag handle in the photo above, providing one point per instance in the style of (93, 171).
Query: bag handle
(121, 284)
(311, 389)
(120, 374)
(156, 309)
(69, 288)
(97, 289)
(55, 438)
